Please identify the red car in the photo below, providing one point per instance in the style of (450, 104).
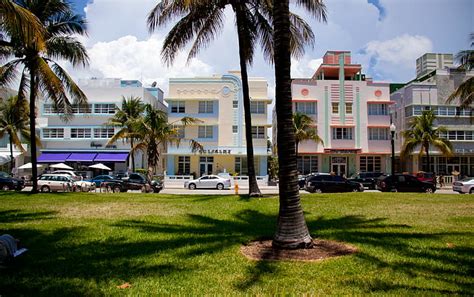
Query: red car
(425, 177)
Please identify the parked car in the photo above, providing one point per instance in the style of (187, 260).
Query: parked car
(134, 181)
(55, 182)
(326, 183)
(368, 179)
(404, 183)
(80, 184)
(8, 183)
(302, 181)
(465, 185)
(100, 178)
(425, 176)
(208, 182)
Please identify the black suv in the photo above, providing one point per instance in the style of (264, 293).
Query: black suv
(404, 183)
(368, 179)
(135, 181)
(325, 183)
(9, 183)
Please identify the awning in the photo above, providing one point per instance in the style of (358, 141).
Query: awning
(53, 157)
(81, 157)
(5, 157)
(111, 157)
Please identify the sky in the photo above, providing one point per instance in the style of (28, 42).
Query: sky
(385, 36)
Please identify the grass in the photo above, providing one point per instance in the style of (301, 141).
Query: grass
(88, 244)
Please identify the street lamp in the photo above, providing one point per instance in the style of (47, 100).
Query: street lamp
(393, 128)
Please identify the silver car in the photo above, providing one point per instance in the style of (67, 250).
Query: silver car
(55, 183)
(208, 182)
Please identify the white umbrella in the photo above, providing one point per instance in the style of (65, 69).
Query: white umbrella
(100, 166)
(61, 166)
(29, 166)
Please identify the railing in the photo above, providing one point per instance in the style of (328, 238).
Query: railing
(242, 180)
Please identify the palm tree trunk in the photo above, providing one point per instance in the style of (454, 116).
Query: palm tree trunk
(132, 155)
(34, 169)
(292, 231)
(427, 149)
(254, 191)
(296, 153)
(12, 161)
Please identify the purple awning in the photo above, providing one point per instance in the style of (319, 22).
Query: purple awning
(111, 157)
(81, 157)
(53, 157)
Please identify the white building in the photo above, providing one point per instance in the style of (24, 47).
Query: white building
(431, 61)
(217, 103)
(83, 140)
(430, 91)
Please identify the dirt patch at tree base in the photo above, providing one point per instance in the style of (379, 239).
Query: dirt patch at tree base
(322, 249)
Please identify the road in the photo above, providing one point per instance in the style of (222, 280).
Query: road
(264, 190)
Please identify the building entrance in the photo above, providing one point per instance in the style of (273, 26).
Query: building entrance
(339, 165)
(206, 165)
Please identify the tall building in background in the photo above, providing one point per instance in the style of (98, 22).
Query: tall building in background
(429, 91)
(351, 116)
(431, 61)
(217, 103)
(82, 141)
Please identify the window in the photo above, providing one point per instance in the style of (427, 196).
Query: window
(416, 110)
(348, 108)
(258, 132)
(307, 164)
(49, 109)
(104, 108)
(235, 104)
(335, 107)
(184, 165)
(342, 133)
(80, 133)
(180, 132)
(53, 133)
(257, 107)
(178, 107)
(206, 106)
(104, 133)
(306, 107)
(378, 134)
(235, 129)
(205, 131)
(87, 108)
(379, 109)
(241, 167)
(457, 135)
(370, 164)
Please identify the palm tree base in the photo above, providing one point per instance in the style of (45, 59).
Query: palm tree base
(255, 194)
(291, 244)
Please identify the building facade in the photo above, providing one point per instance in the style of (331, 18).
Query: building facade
(82, 141)
(430, 92)
(217, 103)
(432, 61)
(351, 116)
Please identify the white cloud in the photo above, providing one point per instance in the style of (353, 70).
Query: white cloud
(305, 67)
(401, 50)
(130, 58)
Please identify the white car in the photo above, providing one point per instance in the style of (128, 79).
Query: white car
(208, 182)
(464, 186)
(80, 184)
(55, 182)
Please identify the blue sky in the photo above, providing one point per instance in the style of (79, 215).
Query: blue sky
(385, 36)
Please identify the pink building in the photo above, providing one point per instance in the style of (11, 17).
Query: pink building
(351, 115)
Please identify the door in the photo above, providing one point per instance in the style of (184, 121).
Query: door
(206, 165)
(339, 165)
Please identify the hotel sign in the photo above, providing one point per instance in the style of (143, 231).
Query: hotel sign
(342, 151)
(216, 152)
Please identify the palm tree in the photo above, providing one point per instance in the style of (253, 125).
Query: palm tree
(465, 91)
(292, 231)
(422, 133)
(14, 122)
(202, 20)
(153, 132)
(39, 70)
(132, 109)
(304, 130)
(17, 22)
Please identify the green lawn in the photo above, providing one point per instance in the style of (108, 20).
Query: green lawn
(87, 244)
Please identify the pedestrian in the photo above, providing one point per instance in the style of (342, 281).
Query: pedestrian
(434, 179)
(441, 181)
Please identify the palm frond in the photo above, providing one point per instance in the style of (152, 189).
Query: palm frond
(316, 7)
(69, 49)
(77, 95)
(8, 72)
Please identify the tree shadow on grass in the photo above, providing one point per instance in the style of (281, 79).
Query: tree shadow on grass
(19, 216)
(74, 265)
